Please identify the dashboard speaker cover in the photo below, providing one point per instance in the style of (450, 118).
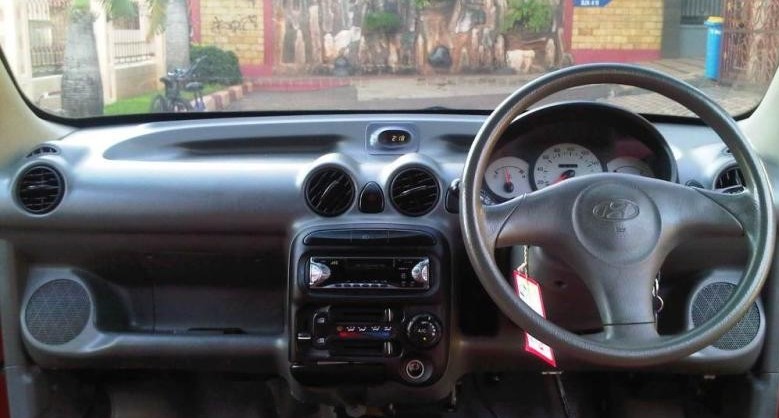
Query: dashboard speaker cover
(709, 300)
(57, 311)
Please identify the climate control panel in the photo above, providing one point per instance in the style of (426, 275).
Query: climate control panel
(404, 340)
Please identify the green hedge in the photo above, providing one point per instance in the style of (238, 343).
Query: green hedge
(382, 22)
(219, 66)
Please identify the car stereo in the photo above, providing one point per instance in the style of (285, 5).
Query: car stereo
(369, 273)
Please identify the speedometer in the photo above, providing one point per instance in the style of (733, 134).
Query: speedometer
(507, 177)
(564, 161)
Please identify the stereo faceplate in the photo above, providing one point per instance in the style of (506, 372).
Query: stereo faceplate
(368, 273)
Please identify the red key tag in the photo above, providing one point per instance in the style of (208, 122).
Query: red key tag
(530, 292)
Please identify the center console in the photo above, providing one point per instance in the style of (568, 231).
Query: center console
(369, 305)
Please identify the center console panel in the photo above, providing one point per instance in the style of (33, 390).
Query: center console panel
(369, 305)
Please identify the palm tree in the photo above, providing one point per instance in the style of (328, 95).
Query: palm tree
(82, 86)
(176, 33)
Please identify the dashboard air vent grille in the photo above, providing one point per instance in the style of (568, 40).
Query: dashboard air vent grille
(40, 189)
(43, 149)
(414, 191)
(330, 191)
(730, 177)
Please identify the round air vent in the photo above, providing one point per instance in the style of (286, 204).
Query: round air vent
(414, 191)
(329, 191)
(729, 177)
(40, 189)
(42, 150)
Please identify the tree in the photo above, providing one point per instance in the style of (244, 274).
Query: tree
(176, 34)
(82, 86)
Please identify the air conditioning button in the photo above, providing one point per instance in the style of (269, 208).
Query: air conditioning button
(424, 331)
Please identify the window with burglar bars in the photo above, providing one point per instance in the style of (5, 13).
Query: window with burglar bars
(131, 41)
(695, 12)
(47, 24)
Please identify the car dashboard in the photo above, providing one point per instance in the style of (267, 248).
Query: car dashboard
(323, 249)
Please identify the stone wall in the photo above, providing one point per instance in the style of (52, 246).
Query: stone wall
(326, 37)
(135, 79)
(235, 25)
(623, 30)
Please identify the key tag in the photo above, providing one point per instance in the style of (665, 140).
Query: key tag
(529, 291)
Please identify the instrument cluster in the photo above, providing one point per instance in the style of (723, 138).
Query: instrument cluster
(556, 143)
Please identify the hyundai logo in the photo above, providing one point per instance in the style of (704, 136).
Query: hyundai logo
(616, 210)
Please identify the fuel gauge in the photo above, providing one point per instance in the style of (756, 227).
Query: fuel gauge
(506, 177)
(630, 165)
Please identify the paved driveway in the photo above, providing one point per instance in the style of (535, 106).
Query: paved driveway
(484, 92)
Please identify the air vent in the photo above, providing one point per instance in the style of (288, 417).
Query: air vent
(40, 189)
(42, 150)
(730, 177)
(414, 191)
(329, 191)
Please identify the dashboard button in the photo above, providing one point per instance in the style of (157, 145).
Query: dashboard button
(320, 324)
(421, 272)
(371, 198)
(424, 331)
(415, 369)
(453, 197)
(318, 273)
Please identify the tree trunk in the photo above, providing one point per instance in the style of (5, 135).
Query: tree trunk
(82, 88)
(177, 35)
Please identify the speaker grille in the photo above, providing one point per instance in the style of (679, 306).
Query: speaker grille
(57, 311)
(709, 300)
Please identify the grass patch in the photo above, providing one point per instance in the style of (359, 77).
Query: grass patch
(142, 103)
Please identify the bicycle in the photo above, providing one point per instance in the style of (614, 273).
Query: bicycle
(175, 81)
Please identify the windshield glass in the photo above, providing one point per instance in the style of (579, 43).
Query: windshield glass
(84, 58)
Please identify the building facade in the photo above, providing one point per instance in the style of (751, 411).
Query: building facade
(33, 37)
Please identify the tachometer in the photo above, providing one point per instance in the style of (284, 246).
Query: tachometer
(507, 177)
(629, 165)
(564, 161)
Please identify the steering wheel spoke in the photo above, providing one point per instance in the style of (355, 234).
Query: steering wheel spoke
(622, 294)
(734, 216)
(526, 219)
(689, 212)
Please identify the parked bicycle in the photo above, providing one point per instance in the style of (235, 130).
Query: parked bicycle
(175, 81)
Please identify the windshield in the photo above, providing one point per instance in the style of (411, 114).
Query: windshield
(84, 58)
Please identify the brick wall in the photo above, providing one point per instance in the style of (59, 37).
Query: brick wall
(234, 25)
(623, 30)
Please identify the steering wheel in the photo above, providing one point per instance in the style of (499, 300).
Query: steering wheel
(616, 230)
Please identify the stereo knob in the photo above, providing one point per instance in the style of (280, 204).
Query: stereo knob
(318, 273)
(421, 272)
(424, 330)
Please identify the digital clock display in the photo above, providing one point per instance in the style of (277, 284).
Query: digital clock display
(394, 138)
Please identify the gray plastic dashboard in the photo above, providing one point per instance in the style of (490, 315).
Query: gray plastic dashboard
(246, 175)
(235, 186)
